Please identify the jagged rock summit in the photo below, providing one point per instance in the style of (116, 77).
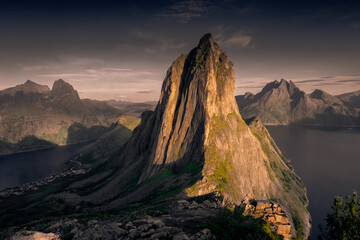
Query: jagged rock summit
(196, 88)
(197, 121)
(63, 89)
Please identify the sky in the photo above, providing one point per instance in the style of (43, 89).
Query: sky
(121, 49)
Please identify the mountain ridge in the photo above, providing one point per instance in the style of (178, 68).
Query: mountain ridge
(55, 115)
(352, 99)
(195, 116)
(284, 103)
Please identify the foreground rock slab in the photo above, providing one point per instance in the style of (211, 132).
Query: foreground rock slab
(32, 235)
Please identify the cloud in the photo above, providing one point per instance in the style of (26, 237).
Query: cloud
(238, 39)
(327, 84)
(349, 80)
(117, 69)
(226, 37)
(35, 68)
(81, 61)
(151, 42)
(186, 10)
(309, 81)
(65, 75)
(145, 91)
(251, 86)
(103, 74)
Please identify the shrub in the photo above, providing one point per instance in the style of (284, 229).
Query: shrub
(344, 220)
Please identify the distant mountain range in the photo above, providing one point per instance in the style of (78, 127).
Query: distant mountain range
(35, 116)
(131, 108)
(284, 103)
(351, 99)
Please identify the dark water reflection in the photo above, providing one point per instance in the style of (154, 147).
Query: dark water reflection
(19, 168)
(326, 159)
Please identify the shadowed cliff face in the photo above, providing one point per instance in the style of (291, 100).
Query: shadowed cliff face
(195, 88)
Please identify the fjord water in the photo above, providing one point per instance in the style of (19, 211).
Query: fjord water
(326, 159)
(24, 167)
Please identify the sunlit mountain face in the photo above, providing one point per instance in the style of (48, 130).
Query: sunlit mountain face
(121, 49)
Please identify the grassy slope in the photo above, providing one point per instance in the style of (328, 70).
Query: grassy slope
(294, 197)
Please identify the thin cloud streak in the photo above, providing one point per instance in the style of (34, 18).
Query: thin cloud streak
(149, 42)
(309, 81)
(184, 11)
(226, 37)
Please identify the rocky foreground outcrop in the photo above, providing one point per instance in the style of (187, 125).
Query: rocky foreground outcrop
(282, 102)
(271, 212)
(183, 221)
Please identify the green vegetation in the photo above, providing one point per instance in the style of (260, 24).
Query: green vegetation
(161, 175)
(219, 125)
(129, 122)
(233, 225)
(344, 220)
(170, 183)
(218, 164)
(202, 56)
(219, 73)
(58, 138)
(297, 224)
(294, 192)
(193, 168)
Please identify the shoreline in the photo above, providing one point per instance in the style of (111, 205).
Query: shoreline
(313, 125)
(47, 148)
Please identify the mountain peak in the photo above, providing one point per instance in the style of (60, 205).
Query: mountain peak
(197, 123)
(29, 82)
(60, 88)
(325, 97)
(283, 84)
(27, 87)
(283, 81)
(206, 39)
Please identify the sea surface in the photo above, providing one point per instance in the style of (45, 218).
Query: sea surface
(326, 159)
(24, 167)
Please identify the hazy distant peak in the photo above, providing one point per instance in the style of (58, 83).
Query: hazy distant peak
(320, 94)
(325, 97)
(351, 99)
(60, 88)
(27, 87)
(288, 86)
(317, 93)
(248, 95)
(29, 82)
